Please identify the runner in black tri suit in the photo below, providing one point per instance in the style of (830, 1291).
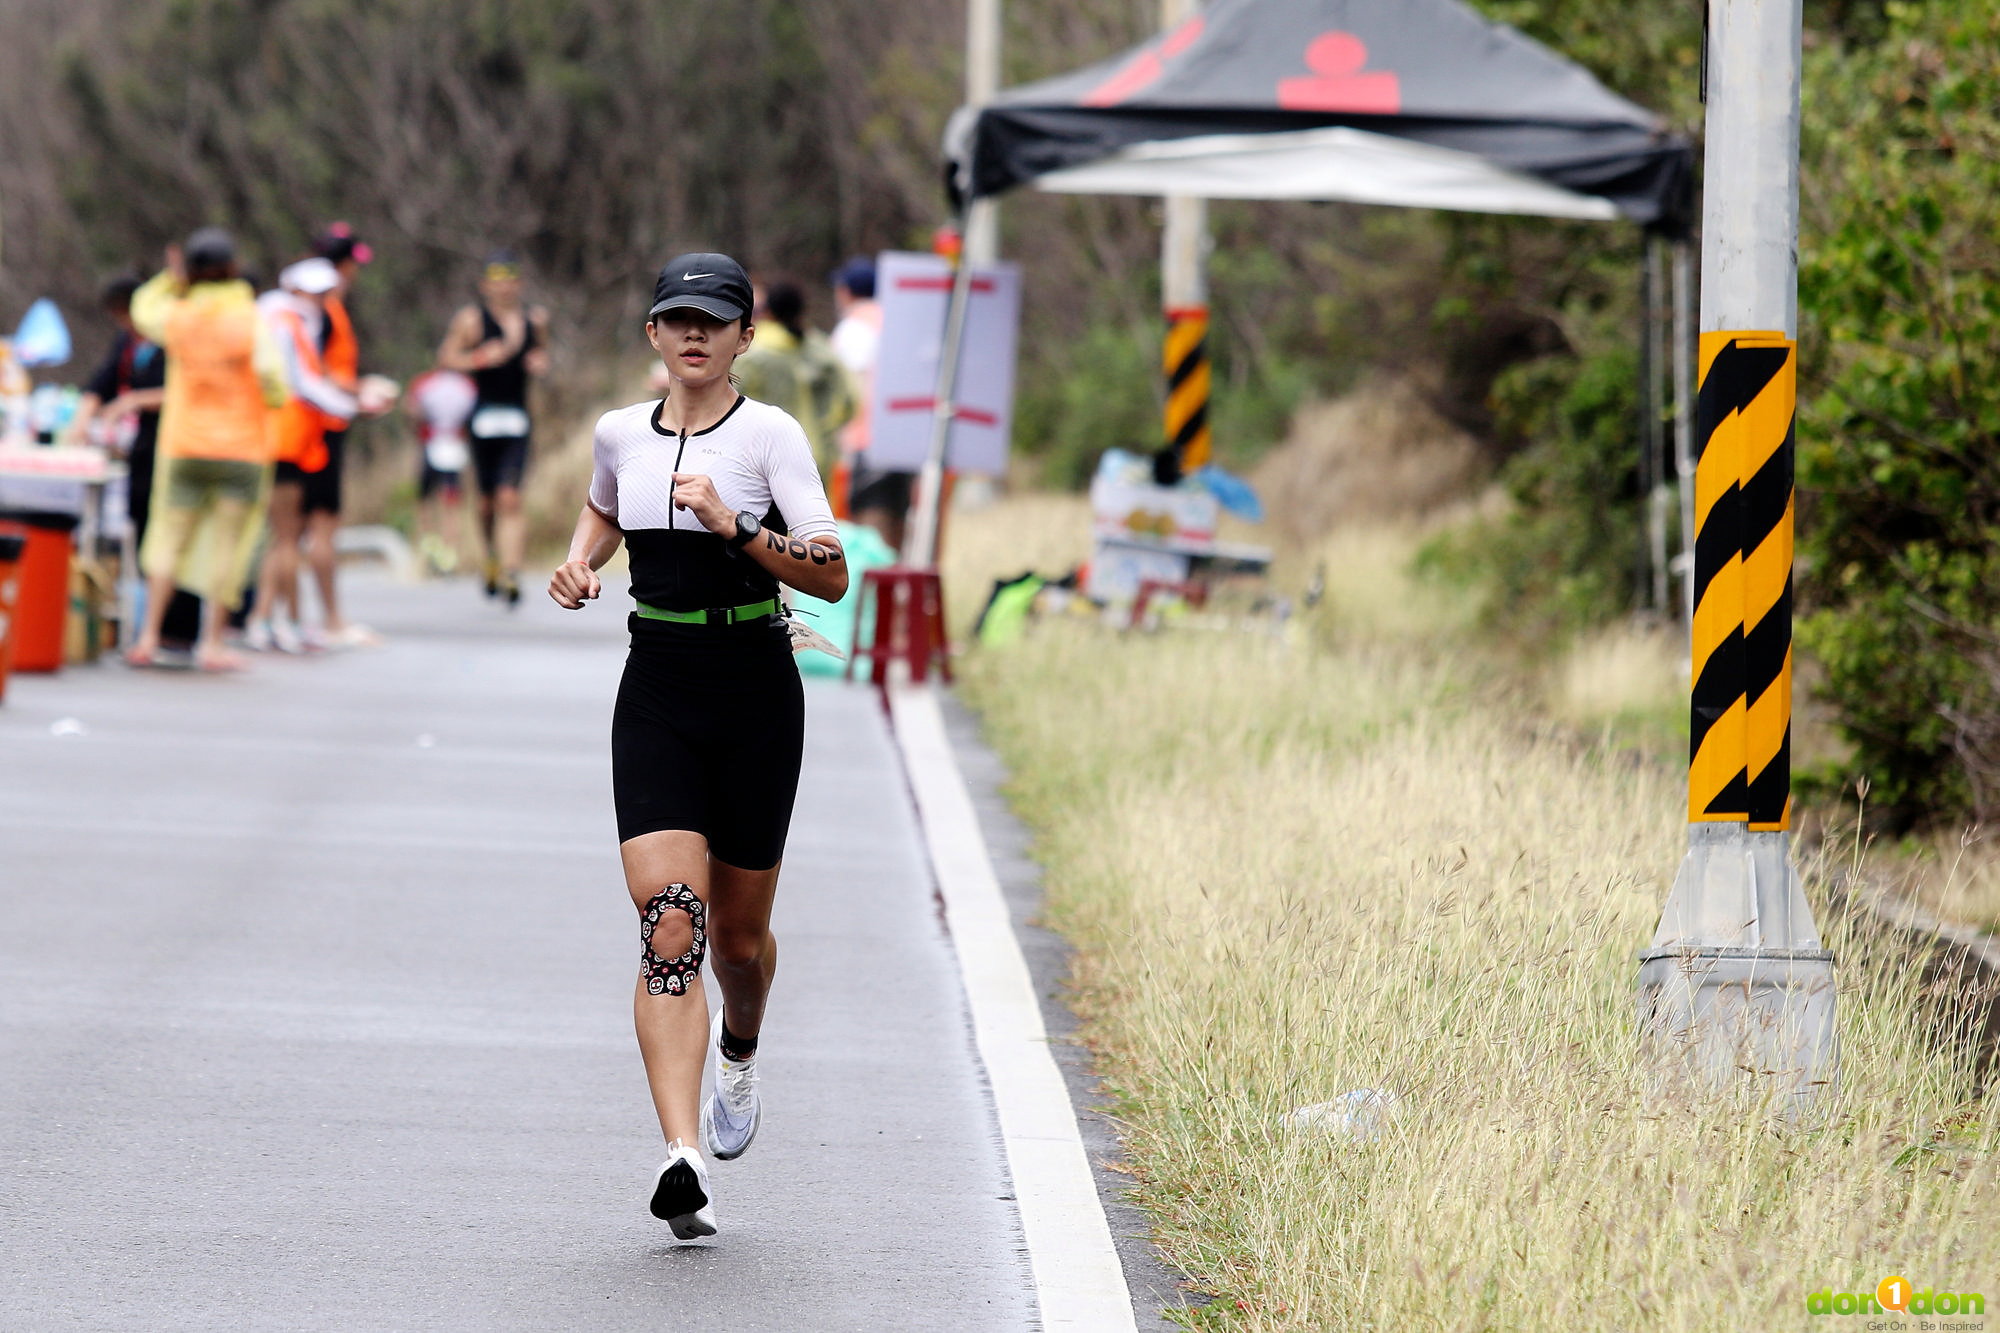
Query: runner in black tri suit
(501, 344)
(718, 500)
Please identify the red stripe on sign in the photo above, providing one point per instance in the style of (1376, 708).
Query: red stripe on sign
(971, 414)
(981, 285)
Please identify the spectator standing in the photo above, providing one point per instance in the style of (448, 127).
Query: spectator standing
(131, 382)
(880, 499)
(340, 355)
(214, 471)
(795, 367)
(502, 343)
(307, 477)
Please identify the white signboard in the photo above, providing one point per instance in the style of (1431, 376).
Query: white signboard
(915, 294)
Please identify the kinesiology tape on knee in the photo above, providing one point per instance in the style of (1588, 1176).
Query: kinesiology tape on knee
(672, 976)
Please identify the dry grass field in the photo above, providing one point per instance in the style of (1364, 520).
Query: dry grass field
(1346, 854)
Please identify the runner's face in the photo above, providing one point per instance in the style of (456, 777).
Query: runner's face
(698, 348)
(505, 292)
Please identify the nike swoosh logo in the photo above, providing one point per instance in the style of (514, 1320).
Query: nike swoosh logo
(690, 277)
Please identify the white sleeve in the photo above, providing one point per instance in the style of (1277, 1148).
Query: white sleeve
(603, 495)
(321, 392)
(855, 342)
(794, 480)
(300, 378)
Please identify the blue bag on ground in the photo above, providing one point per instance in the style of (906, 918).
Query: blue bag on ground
(863, 549)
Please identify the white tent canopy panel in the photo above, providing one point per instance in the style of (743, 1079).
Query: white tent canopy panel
(1334, 163)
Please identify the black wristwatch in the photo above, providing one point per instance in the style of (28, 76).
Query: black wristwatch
(747, 528)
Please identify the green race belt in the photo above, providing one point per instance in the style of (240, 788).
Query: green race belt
(714, 615)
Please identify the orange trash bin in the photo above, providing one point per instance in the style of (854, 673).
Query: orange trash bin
(41, 599)
(13, 541)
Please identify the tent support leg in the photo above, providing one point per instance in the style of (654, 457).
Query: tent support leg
(1657, 499)
(1641, 576)
(1684, 416)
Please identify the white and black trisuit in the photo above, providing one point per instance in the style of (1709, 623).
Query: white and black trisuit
(709, 728)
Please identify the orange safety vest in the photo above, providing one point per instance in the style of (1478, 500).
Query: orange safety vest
(298, 429)
(343, 353)
(215, 402)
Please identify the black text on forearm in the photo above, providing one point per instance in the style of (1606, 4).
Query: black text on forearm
(801, 550)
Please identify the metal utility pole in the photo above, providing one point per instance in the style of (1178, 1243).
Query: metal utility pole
(982, 83)
(1736, 978)
(979, 245)
(1184, 297)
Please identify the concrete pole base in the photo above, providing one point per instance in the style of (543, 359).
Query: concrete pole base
(1758, 1021)
(1736, 993)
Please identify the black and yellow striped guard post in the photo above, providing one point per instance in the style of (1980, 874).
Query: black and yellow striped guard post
(1186, 364)
(1740, 706)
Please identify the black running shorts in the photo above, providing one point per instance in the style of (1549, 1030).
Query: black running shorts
(500, 462)
(707, 736)
(320, 491)
(431, 480)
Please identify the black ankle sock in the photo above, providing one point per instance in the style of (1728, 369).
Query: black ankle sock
(735, 1047)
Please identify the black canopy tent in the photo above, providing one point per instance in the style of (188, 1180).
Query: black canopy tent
(1417, 103)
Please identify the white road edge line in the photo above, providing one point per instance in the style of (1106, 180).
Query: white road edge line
(1079, 1282)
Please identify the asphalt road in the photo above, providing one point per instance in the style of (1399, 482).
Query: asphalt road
(315, 1012)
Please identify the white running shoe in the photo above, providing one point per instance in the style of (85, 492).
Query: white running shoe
(285, 637)
(349, 635)
(730, 1116)
(257, 636)
(680, 1193)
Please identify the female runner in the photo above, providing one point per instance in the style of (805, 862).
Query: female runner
(718, 500)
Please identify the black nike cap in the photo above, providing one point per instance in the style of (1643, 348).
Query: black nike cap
(209, 247)
(711, 283)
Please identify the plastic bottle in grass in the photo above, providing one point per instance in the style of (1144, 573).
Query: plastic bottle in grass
(1360, 1115)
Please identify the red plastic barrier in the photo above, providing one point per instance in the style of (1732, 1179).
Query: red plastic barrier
(13, 541)
(41, 603)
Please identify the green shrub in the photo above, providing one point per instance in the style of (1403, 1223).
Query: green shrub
(1563, 556)
(1107, 392)
(1103, 393)
(1899, 441)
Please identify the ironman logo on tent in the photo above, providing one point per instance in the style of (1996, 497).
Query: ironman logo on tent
(1337, 82)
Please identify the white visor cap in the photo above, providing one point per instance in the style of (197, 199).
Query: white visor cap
(314, 277)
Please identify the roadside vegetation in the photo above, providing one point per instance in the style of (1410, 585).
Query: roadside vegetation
(1352, 852)
(598, 138)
